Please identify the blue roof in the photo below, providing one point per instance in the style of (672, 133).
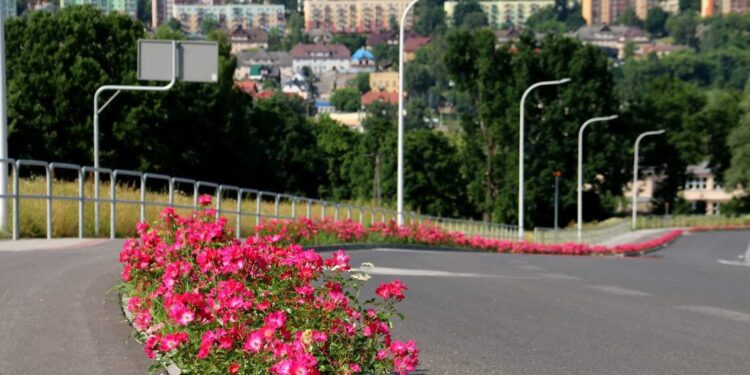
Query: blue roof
(321, 103)
(363, 54)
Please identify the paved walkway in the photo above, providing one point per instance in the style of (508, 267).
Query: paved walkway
(44, 244)
(637, 236)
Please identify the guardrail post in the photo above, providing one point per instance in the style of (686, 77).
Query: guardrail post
(361, 216)
(239, 213)
(294, 207)
(336, 212)
(322, 210)
(219, 193)
(113, 206)
(171, 192)
(49, 202)
(258, 208)
(143, 198)
(16, 204)
(348, 212)
(276, 200)
(309, 208)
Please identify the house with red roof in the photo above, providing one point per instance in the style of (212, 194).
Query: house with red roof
(411, 45)
(379, 96)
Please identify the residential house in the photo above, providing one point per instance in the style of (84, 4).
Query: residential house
(263, 64)
(384, 81)
(320, 36)
(359, 16)
(503, 12)
(411, 46)
(362, 61)
(320, 58)
(242, 39)
(297, 86)
(611, 38)
(379, 96)
(390, 38)
(702, 189)
(659, 50)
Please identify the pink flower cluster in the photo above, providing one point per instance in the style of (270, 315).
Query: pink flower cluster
(207, 302)
(326, 231)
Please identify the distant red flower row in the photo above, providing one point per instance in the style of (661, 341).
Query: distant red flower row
(321, 232)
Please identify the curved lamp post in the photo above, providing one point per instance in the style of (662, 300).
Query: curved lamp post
(634, 189)
(579, 223)
(400, 166)
(520, 148)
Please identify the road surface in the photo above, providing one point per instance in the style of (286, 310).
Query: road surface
(679, 312)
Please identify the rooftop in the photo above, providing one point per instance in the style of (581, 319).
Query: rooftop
(320, 51)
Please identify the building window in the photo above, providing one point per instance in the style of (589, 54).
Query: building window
(717, 208)
(696, 184)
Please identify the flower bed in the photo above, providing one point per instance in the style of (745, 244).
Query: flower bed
(213, 305)
(325, 232)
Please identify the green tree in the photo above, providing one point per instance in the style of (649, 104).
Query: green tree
(174, 24)
(430, 17)
(738, 142)
(682, 28)
(469, 14)
(690, 6)
(339, 148)
(630, 18)
(656, 22)
(346, 99)
(208, 25)
(352, 41)
(361, 82)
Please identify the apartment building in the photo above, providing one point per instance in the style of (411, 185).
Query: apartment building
(129, 7)
(229, 16)
(716, 7)
(502, 12)
(361, 16)
(9, 8)
(604, 12)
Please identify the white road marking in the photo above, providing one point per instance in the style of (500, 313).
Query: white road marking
(531, 268)
(734, 262)
(719, 313)
(558, 276)
(745, 262)
(417, 272)
(618, 290)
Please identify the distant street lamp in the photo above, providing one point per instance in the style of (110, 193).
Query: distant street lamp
(579, 223)
(520, 149)
(634, 189)
(557, 196)
(400, 162)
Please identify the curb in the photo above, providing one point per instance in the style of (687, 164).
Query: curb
(171, 368)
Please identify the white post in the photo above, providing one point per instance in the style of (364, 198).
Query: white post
(3, 127)
(579, 223)
(400, 167)
(520, 149)
(634, 188)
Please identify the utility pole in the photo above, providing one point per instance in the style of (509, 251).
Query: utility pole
(3, 127)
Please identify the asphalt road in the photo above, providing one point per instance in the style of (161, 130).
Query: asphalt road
(679, 312)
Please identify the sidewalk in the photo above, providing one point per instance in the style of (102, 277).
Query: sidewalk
(45, 244)
(636, 236)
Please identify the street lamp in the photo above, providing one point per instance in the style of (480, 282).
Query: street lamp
(520, 149)
(400, 166)
(633, 188)
(579, 223)
(557, 175)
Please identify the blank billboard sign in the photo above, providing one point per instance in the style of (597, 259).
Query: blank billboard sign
(197, 61)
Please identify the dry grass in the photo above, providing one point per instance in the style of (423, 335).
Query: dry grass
(65, 208)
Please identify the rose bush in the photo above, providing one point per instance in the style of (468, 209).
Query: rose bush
(214, 305)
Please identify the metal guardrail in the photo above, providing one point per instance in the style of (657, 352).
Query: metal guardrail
(589, 236)
(219, 192)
